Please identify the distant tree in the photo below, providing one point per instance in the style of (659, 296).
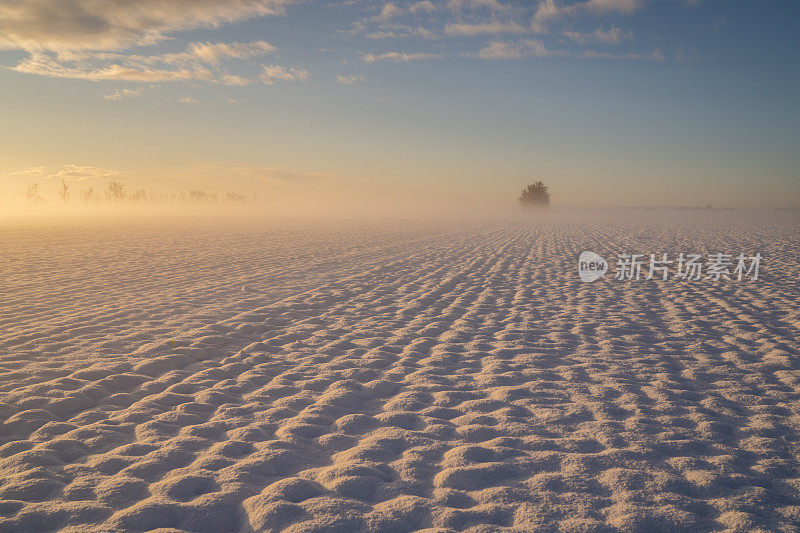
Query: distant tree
(235, 197)
(115, 192)
(138, 195)
(536, 194)
(199, 196)
(63, 192)
(87, 195)
(33, 194)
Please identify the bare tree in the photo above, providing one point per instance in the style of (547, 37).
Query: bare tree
(33, 194)
(115, 192)
(137, 195)
(199, 196)
(235, 197)
(64, 192)
(87, 195)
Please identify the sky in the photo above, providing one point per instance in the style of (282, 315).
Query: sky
(609, 102)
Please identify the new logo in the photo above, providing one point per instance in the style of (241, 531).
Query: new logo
(591, 267)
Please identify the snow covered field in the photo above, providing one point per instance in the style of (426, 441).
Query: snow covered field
(309, 376)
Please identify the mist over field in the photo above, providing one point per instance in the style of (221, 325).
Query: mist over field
(431, 266)
(233, 374)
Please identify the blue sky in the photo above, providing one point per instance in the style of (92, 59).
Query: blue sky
(610, 102)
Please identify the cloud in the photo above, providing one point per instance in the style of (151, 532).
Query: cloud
(489, 5)
(389, 11)
(398, 57)
(214, 53)
(612, 6)
(78, 172)
(190, 65)
(545, 12)
(236, 81)
(535, 48)
(44, 65)
(93, 39)
(474, 18)
(349, 79)
(86, 39)
(549, 10)
(611, 36)
(425, 6)
(482, 29)
(123, 94)
(385, 34)
(516, 50)
(273, 73)
(188, 100)
(656, 55)
(396, 31)
(59, 25)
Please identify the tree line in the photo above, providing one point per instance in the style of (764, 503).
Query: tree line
(116, 193)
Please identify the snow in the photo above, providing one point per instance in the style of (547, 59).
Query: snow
(396, 376)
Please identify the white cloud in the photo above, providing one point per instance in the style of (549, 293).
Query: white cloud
(350, 79)
(189, 65)
(215, 52)
(398, 57)
(426, 6)
(396, 31)
(611, 36)
(86, 39)
(482, 29)
(613, 6)
(536, 48)
(384, 34)
(238, 81)
(389, 11)
(79, 172)
(490, 5)
(195, 54)
(656, 55)
(123, 94)
(44, 65)
(515, 50)
(545, 11)
(273, 73)
(188, 100)
(548, 10)
(59, 25)
(92, 39)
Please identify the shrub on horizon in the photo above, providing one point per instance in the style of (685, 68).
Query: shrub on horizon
(536, 194)
(33, 194)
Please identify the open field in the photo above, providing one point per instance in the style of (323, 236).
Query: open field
(375, 376)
